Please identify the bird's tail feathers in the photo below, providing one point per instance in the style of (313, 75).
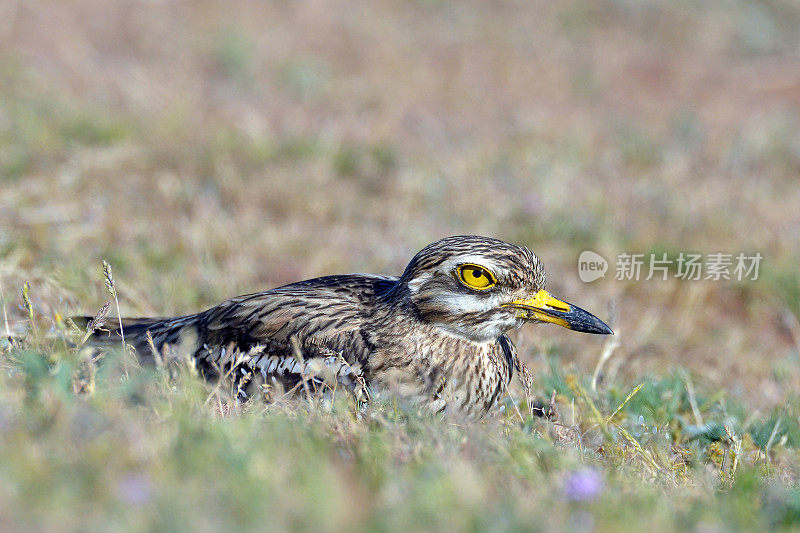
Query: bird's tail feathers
(180, 332)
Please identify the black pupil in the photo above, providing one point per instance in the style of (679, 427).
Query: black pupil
(478, 273)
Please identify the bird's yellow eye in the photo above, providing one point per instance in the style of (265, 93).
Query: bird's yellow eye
(476, 277)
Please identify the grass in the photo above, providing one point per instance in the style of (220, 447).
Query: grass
(232, 147)
(157, 448)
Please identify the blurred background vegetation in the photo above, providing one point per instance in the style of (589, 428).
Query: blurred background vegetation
(207, 149)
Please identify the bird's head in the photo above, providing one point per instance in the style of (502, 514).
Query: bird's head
(478, 287)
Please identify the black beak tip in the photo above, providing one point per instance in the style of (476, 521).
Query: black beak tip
(604, 329)
(596, 327)
(585, 322)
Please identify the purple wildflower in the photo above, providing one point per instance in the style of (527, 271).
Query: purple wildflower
(134, 489)
(583, 485)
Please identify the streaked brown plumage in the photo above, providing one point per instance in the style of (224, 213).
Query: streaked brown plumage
(435, 334)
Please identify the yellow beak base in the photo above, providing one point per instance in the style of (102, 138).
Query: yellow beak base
(544, 307)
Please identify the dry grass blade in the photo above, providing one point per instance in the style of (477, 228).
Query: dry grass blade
(513, 402)
(595, 411)
(112, 289)
(638, 447)
(224, 376)
(631, 395)
(95, 323)
(772, 436)
(156, 355)
(526, 379)
(735, 450)
(792, 322)
(698, 417)
(298, 355)
(362, 391)
(5, 313)
(608, 349)
(26, 300)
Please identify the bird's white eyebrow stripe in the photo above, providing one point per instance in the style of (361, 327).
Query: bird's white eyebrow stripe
(479, 260)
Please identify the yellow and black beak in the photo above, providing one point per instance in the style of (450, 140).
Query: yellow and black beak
(544, 307)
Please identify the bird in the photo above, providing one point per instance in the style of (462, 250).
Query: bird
(436, 335)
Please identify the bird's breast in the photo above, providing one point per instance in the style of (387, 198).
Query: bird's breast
(442, 369)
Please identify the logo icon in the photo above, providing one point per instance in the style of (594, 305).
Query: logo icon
(591, 266)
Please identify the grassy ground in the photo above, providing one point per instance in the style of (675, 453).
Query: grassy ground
(209, 149)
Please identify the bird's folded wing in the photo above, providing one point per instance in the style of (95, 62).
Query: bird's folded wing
(317, 319)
